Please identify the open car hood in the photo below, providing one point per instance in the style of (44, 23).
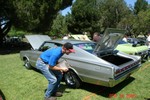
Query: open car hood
(109, 40)
(37, 40)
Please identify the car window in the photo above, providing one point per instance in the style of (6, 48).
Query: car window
(86, 46)
(47, 45)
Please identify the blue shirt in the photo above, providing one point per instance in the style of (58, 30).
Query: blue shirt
(51, 56)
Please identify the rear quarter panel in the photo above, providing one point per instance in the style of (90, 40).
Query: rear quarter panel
(88, 66)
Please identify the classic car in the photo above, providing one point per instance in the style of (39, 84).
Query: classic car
(81, 37)
(133, 49)
(137, 41)
(93, 63)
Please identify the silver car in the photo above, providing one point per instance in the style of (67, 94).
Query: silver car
(93, 63)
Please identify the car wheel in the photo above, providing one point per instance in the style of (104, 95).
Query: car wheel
(72, 80)
(27, 64)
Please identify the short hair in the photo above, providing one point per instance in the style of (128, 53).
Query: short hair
(68, 45)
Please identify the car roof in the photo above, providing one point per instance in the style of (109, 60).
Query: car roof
(73, 41)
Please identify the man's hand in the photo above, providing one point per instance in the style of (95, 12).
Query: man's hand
(64, 69)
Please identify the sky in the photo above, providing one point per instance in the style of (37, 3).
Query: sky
(129, 2)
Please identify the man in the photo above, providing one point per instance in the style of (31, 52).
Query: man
(47, 64)
(125, 38)
(148, 43)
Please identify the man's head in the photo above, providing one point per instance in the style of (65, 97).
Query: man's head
(68, 48)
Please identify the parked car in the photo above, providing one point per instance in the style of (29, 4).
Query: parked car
(136, 41)
(133, 49)
(93, 63)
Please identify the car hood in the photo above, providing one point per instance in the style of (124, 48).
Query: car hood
(109, 40)
(37, 40)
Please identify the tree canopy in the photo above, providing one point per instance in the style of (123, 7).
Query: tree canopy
(33, 15)
(140, 5)
(97, 15)
(87, 16)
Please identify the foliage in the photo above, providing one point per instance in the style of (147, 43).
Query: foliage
(127, 23)
(142, 22)
(34, 15)
(137, 24)
(17, 32)
(59, 27)
(140, 5)
(97, 15)
(84, 16)
(113, 12)
(42, 16)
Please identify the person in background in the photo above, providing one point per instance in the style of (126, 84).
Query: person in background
(148, 43)
(47, 64)
(148, 39)
(96, 37)
(66, 37)
(125, 38)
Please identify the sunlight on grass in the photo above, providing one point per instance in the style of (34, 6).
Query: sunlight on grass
(18, 83)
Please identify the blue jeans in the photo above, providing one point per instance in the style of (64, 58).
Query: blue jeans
(53, 77)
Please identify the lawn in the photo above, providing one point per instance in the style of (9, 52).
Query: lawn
(18, 83)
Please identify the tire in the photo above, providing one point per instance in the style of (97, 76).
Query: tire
(72, 80)
(27, 64)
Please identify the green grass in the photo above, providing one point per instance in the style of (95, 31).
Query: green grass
(18, 83)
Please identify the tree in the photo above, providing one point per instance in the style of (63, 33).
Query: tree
(97, 15)
(84, 17)
(141, 25)
(140, 5)
(59, 26)
(113, 11)
(33, 15)
(127, 23)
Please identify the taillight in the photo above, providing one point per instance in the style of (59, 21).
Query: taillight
(126, 67)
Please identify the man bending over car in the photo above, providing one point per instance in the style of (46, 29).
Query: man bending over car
(47, 64)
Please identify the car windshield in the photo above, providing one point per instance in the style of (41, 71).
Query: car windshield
(89, 47)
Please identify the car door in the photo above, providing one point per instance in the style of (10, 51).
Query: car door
(36, 53)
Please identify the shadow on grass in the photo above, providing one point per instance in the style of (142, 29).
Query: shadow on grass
(106, 91)
(101, 90)
(96, 89)
(62, 86)
(2, 96)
